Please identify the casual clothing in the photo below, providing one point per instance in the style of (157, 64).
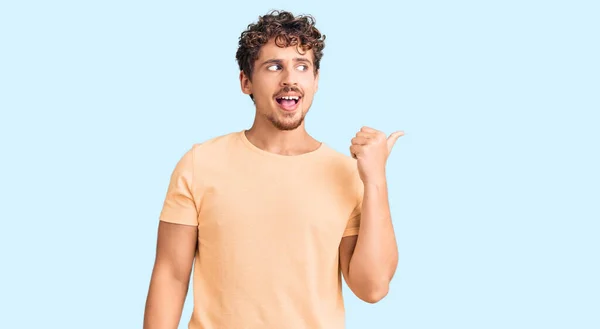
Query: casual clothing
(269, 228)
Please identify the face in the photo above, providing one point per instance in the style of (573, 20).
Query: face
(283, 85)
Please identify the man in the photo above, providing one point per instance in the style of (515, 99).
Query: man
(270, 217)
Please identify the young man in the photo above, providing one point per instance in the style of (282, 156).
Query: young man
(270, 217)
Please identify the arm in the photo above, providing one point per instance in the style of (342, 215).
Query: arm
(176, 246)
(369, 260)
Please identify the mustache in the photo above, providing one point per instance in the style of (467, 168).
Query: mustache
(288, 89)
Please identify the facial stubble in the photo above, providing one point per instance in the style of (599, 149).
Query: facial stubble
(284, 124)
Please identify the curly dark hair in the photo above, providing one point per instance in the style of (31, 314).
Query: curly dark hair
(287, 30)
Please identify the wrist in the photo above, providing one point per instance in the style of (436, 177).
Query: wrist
(376, 181)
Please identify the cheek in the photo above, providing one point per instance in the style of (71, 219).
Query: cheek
(264, 89)
(260, 92)
(309, 84)
(307, 101)
(310, 90)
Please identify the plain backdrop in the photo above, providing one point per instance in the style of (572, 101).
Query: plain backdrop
(494, 188)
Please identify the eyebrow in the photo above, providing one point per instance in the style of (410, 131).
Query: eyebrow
(279, 61)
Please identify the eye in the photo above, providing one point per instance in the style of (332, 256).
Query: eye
(273, 67)
(303, 67)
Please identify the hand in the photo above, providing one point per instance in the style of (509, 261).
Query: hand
(371, 149)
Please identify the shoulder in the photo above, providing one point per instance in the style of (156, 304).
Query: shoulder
(215, 143)
(205, 152)
(339, 161)
(343, 167)
(212, 148)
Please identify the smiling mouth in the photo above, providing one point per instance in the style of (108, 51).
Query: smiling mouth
(288, 100)
(288, 103)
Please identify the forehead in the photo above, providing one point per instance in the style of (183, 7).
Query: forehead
(271, 51)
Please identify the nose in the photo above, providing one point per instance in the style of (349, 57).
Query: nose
(288, 77)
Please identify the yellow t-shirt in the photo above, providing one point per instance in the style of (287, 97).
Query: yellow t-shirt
(269, 228)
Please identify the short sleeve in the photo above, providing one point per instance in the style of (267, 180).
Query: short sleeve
(354, 222)
(353, 225)
(179, 206)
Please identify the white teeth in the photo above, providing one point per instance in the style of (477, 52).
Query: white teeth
(290, 97)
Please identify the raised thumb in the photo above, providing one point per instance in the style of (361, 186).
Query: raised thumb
(393, 138)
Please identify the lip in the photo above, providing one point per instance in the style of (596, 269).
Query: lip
(288, 94)
(293, 108)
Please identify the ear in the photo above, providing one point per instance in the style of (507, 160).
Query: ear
(317, 81)
(245, 83)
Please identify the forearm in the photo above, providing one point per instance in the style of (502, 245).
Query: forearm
(164, 304)
(375, 256)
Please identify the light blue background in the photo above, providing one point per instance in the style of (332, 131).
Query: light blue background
(494, 189)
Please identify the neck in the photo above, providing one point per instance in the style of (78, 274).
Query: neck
(284, 142)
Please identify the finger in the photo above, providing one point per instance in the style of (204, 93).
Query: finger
(356, 151)
(392, 139)
(365, 135)
(368, 129)
(361, 140)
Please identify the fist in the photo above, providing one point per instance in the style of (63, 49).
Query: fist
(371, 148)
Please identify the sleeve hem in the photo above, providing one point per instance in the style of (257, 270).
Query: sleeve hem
(351, 232)
(166, 220)
(193, 172)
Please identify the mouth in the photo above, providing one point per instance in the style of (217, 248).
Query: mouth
(288, 103)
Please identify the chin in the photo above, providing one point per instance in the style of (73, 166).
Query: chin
(286, 123)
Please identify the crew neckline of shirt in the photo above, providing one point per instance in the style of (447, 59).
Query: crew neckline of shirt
(256, 149)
